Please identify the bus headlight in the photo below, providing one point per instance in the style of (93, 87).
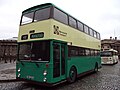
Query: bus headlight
(45, 73)
(45, 79)
(19, 70)
(18, 75)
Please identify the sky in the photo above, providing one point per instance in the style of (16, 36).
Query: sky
(101, 15)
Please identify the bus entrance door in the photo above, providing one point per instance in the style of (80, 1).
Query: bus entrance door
(59, 60)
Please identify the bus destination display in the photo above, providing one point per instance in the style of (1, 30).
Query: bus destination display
(37, 35)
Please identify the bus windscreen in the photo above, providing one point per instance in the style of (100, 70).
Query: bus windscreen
(35, 51)
(106, 53)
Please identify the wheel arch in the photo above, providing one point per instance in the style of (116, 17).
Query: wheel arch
(68, 78)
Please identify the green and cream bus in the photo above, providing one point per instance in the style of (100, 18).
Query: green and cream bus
(109, 56)
(54, 47)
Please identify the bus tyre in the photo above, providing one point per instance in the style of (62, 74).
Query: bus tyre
(72, 75)
(96, 68)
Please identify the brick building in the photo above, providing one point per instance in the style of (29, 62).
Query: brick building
(8, 50)
(112, 43)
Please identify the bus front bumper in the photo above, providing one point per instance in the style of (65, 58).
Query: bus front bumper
(35, 82)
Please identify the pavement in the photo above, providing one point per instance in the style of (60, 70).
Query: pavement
(7, 71)
(108, 78)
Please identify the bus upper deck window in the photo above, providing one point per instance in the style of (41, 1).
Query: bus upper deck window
(86, 29)
(95, 34)
(42, 14)
(27, 18)
(80, 25)
(60, 16)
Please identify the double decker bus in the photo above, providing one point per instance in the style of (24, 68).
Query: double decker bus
(54, 47)
(109, 56)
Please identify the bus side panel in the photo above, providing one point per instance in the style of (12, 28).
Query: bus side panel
(83, 64)
(73, 36)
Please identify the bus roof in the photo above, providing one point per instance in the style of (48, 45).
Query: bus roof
(112, 50)
(34, 8)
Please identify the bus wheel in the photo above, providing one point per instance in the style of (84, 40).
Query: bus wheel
(72, 75)
(96, 68)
